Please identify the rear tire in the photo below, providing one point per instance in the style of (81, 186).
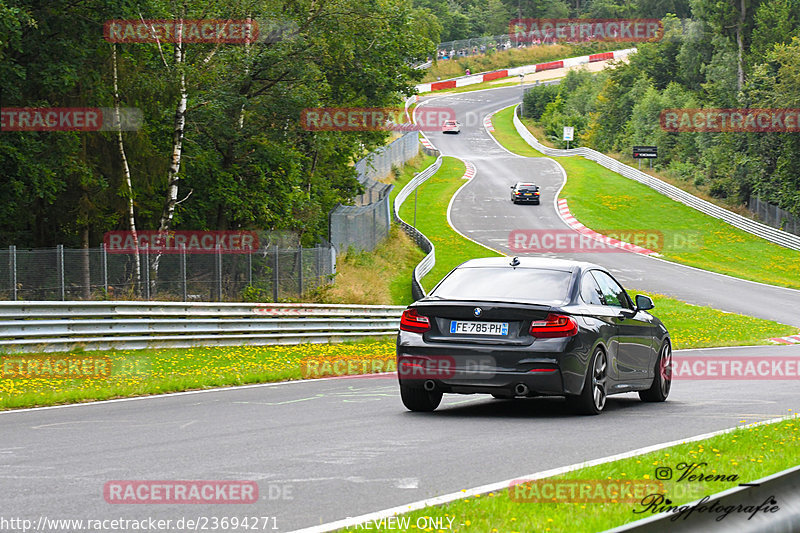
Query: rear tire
(419, 399)
(662, 382)
(592, 399)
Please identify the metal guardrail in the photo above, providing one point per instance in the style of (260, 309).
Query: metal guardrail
(37, 326)
(783, 487)
(769, 233)
(422, 241)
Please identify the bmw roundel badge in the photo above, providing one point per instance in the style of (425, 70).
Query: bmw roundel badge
(477, 311)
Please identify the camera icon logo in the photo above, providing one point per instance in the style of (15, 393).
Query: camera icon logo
(663, 473)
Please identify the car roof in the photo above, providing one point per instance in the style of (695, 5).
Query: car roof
(531, 262)
(525, 184)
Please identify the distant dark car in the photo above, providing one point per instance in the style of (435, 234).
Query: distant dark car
(525, 192)
(526, 327)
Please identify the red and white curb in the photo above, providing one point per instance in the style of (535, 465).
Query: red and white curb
(792, 339)
(487, 123)
(426, 143)
(573, 223)
(470, 172)
(527, 69)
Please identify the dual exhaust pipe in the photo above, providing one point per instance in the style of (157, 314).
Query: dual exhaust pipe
(520, 389)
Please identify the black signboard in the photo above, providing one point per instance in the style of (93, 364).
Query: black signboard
(645, 152)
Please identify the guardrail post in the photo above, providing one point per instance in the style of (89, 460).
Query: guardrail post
(146, 272)
(104, 258)
(183, 273)
(219, 272)
(300, 269)
(60, 259)
(12, 270)
(274, 272)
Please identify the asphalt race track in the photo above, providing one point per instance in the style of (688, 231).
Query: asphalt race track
(325, 450)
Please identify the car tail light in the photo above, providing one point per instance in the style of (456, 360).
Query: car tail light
(554, 326)
(413, 321)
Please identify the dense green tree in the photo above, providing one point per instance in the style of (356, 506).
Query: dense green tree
(230, 113)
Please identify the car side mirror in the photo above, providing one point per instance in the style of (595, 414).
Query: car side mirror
(512, 186)
(643, 303)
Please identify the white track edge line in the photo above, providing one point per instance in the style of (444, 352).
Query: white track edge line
(500, 485)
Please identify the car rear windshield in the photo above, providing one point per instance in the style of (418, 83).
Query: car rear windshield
(506, 284)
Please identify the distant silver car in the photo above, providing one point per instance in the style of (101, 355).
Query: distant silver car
(451, 126)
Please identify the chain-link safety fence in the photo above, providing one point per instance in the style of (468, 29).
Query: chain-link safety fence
(481, 45)
(772, 215)
(268, 273)
(364, 225)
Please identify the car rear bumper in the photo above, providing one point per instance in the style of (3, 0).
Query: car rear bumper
(543, 378)
(502, 384)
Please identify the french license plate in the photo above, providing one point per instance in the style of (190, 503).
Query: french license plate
(528, 194)
(460, 327)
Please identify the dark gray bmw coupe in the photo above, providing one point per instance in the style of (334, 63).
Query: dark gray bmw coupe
(526, 327)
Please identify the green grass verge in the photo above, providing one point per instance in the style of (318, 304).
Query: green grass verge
(741, 456)
(144, 372)
(605, 201)
(433, 197)
(400, 284)
(690, 237)
(506, 134)
(694, 326)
